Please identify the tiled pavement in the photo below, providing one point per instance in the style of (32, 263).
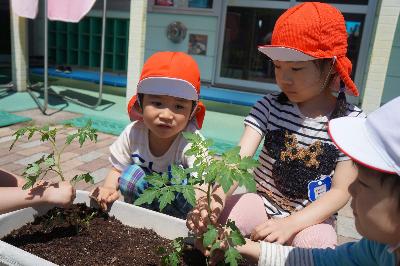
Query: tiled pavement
(93, 158)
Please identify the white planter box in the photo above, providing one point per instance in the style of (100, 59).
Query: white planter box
(164, 225)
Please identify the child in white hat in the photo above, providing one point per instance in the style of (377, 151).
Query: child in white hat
(374, 146)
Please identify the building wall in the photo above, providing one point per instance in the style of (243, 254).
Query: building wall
(392, 81)
(156, 38)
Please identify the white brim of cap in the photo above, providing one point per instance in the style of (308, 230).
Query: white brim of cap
(168, 86)
(351, 136)
(284, 53)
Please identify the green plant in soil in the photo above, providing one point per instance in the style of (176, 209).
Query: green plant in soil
(207, 170)
(37, 170)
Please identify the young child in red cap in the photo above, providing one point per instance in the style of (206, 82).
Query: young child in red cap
(303, 178)
(373, 144)
(166, 104)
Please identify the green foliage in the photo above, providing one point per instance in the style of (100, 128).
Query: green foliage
(172, 257)
(52, 162)
(207, 170)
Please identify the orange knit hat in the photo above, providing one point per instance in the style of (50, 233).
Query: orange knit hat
(170, 73)
(312, 31)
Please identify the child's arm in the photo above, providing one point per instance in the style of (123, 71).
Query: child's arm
(13, 198)
(281, 230)
(108, 192)
(363, 252)
(197, 220)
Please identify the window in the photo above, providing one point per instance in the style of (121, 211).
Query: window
(351, 2)
(245, 30)
(184, 6)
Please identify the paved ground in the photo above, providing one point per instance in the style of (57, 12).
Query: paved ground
(93, 158)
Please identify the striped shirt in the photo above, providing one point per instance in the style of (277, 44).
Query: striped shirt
(297, 150)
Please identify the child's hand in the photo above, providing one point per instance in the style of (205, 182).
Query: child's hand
(279, 230)
(104, 196)
(60, 194)
(198, 219)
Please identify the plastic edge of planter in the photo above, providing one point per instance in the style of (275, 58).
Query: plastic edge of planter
(128, 214)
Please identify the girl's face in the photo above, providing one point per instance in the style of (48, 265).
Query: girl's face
(300, 81)
(376, 207)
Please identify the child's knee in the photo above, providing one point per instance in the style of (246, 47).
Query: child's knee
(247, 210)
(316, 236)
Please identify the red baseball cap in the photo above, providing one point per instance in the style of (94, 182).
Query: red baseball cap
(311, 31)
(173, 74)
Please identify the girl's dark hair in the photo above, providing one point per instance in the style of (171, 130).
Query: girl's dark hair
(341, 102)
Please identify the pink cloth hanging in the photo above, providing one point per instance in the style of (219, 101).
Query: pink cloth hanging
(25, 8)
(68, 10)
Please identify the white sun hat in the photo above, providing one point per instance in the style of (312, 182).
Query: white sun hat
(373, 142)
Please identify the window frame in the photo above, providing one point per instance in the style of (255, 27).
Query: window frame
(182, 8)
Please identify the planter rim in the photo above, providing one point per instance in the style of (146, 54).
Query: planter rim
(166, 226)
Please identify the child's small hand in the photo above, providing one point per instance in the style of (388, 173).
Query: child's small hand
(279, 230)
(104, 196)
(60, 194)
(198, 219)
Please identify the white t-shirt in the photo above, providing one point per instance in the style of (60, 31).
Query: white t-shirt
(132, 147)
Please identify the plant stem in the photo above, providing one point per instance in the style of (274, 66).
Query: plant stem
(57, 157)
(209, 201)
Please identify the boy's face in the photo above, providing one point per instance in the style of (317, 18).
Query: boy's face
(376, 207)
(300, 81)
(165, 116)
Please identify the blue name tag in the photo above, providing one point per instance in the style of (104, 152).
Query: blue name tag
(318, 187)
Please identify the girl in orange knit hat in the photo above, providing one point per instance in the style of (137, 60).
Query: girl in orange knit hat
(166, 104)
(303, 178)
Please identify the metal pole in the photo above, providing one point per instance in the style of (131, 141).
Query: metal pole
(43, 107)
(46, 58)
(103, 37)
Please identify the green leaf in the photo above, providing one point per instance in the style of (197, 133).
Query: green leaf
(147, 196)
(191, 137)
(50, 161)
(157, 180)
(189, 194)
(208, 142)
(29, 183)
(86, 177)
(81, 140)
(166, 198)
(249, 182)
(18, 134)
(70, 138)
(178, 175)
(225, 180)
(171, 259)
(45, 136)
(210, 236)
(52, 133)
(232, 256)
(232, 155)
(248, 163)
(236, 238)
(33, 169)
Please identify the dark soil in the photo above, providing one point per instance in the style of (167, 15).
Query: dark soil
(86, 236)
